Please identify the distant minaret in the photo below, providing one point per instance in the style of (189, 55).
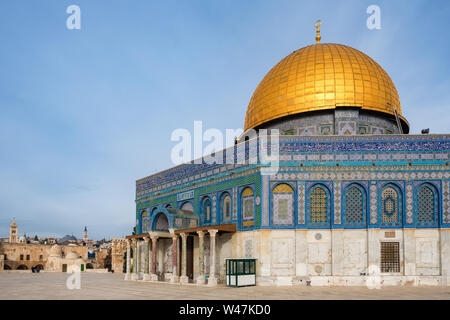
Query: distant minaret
(85, 237)
(13, 232)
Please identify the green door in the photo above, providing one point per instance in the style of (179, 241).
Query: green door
(82, 267)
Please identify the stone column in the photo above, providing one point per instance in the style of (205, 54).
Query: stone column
(146, 259)
(127, 275)
(134, 275)
(184, 278)
(212, 280)
(175, 277)
(201, 258)
(138, 259)
(154, 276)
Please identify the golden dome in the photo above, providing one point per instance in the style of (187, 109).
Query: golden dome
(321, 77)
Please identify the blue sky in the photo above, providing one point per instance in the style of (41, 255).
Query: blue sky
(85, 113)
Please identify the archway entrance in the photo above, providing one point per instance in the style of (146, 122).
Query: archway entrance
(39, 267)
(161, 223)
(22, 267)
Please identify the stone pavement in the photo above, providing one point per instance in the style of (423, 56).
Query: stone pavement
(112, 286)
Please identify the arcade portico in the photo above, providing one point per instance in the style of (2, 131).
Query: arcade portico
(146, 255)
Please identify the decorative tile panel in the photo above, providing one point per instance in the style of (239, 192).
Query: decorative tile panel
(282, 208)
(337, 202)
(446, 202)
(235, 200)
(373, 202)
(265, 200)
(301, 203)
(409, 203)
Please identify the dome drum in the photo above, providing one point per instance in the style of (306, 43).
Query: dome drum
(325, 77)
(340, 121)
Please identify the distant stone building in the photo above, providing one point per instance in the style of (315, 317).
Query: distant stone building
(72, 261)
(118, 247)
(18, 256)
(21, 254)
(103, 258)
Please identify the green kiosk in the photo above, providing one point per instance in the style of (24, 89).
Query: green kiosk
(241, 272)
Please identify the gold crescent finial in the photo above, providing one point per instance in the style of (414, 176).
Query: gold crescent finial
(317, 25)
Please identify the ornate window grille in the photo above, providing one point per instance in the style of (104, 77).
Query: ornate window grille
(390, 257)
(426, 205)
(318, 206)
(355, 205)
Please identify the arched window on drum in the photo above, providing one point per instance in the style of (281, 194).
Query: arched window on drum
(283, 204)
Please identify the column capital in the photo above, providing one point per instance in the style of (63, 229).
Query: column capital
(201, 234)
(146, 239)
(134, 241)
(183, 235)
(174, 237)
(212, 232)
(154, 238)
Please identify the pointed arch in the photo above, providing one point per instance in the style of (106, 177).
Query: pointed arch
(319, 205)
(391, 204)
(206, 210)
(427, 204)
(160, 222)
(355, 205)
(283, 204)
(225, 206)
(247, 204)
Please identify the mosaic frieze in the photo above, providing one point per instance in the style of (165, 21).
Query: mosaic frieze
(362, 175)
(427, 147)
(374, 156)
